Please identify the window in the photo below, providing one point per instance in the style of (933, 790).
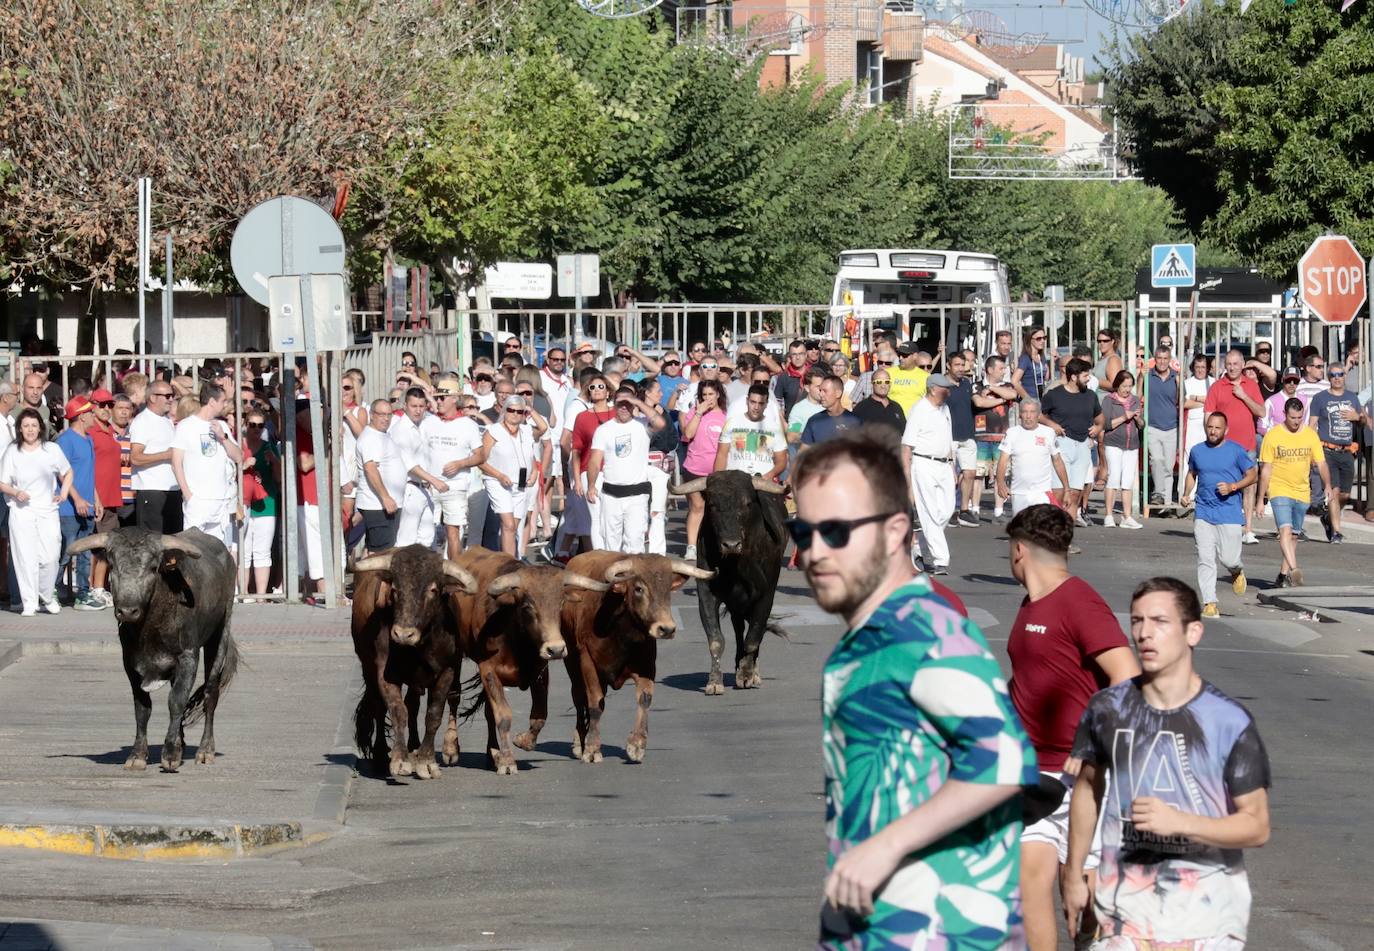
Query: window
(868, 65)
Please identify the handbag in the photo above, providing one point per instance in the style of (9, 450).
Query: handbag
(253, 489)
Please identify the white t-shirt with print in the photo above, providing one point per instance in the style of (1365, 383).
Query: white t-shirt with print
(752, 444)
(449, 440)
(1031, 452)
(207, 467)
(625, 451)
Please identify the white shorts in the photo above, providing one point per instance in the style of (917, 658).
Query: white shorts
(1054, 828)
(453, 504)
(258, 533)
(308, 528)
(214, 517)
(1024, 500)
(966, 454)
(1121, 466)
(505, 501)
(1122, 943)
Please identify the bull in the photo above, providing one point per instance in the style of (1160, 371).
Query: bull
(614, 637)
(742, 539)
(173, 597)
(405, 634)
(509, 628)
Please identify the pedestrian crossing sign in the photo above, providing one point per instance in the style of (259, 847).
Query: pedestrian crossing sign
(1173, 265)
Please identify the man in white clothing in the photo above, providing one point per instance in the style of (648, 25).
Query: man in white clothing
(1032, 451)
(205, 460)
(157, 500)
(383, 478)
(928, 458)
(417, 523)
(454, 443)
(620, 455)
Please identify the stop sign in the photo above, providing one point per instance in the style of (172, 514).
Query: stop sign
(1332, 277)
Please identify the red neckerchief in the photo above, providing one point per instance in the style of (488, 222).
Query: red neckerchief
(449, 419)
(798, 374)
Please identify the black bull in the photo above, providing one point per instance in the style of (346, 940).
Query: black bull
(173, 596)
(742, 540)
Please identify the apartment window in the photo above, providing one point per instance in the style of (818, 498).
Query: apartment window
(868, 65)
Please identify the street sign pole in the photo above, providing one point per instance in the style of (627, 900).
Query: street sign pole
(320, 473)
(577, 300)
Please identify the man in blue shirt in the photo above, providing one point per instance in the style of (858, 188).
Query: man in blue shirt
(81, 509)
(833, 418)
(1220, 470)
(1162, 434)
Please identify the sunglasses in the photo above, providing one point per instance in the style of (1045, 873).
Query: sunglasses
(834, 532)
(557, 360)
(1099, 339)
(512, 344)
(254, 425)
(672, 363)
(108, 403)
(1038, 337)
(597, 386)
(831, 350)
(482, 379)
(1333, 373)
(407, 365)
(468, 407)
(698, 350)
(709, 366)
(882, 382)
(163, 395)
(886, 363)
(518, 412)
(923, 366)
(348, 389)
(524, 392)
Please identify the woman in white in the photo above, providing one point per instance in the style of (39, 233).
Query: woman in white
(509, 470)
(354, 411)
(35, 477)
(1194, 398)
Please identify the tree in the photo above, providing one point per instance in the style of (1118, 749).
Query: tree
(224, 103)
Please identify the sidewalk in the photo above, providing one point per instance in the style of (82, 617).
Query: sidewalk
(283, 734)
(31, 934)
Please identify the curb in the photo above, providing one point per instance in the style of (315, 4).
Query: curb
(116, 838)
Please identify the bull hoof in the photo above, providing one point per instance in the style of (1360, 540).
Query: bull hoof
(449, 759)
(525, 741)
(634, 749)
(747, 679)
(136, 762)
(503, 765)
(715, 686)
(577, 746)
(205, 757)
(170, 764)
(592, 755)
(427, 770)
(401, 766)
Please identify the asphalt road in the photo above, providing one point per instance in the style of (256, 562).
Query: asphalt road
(716, 839)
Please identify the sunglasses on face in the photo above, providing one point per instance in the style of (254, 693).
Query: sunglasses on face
(1038, 337)
(886, 363)
(482, 379)
(1101, 339)
(105, 405)
(163, 395)
(406, 365)
(831, 350)
(524, 392)
(597, 386)
(512, 344)
(882, 382)
(923, 366)
(348, 389)
(1333, 374)
(672, 363)
(518, 412)
(698, 349)
(254, 425)
(468, 407)
(834, 532)
(558, 360)
(709, 366)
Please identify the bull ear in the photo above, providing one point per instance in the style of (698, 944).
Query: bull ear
(173, 544)
(774, 517)
(383, 595)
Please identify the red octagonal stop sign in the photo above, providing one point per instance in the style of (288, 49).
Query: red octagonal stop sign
(1332, 276)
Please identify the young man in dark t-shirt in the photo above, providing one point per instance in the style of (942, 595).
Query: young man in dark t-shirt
(1189, 790)
(1065, 645)
(1073, 412)
(880, 408)
(833, 418)
(990, 427)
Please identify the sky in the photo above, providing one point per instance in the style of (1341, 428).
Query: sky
(1073, 24)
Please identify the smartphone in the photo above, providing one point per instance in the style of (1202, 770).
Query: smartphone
(524, 474)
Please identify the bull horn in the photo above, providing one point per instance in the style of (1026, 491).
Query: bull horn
(686, 488)
(461, 577)
(692, 571)
(380, 562)
(173, 543)
(621, 570)
(504, 583)
(98, 540)
(768, 485)
(572, 579)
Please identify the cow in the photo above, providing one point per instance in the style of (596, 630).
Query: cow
(742, 539)
(613, 637)
(510, 629)
(173, 597)
(405, 634)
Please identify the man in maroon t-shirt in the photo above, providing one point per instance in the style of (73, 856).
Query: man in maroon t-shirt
(1238, 398)
(1065, 645)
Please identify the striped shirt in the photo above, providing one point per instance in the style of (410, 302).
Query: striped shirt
(126, 466)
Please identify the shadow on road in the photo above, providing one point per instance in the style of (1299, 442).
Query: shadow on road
(993, 579)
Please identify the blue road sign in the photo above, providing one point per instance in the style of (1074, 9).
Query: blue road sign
(1173, 265)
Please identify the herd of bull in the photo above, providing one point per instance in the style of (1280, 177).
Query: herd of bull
(418, 616)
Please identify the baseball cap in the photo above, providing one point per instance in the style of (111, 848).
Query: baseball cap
(449, 388)
(939, 379)
(906, 349)
(1291, 373)
(102, 396)
(77, 405)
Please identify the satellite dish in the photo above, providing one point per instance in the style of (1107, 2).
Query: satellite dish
(284, 235)
(617, 9)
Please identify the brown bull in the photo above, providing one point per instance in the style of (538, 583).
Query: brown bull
(405, 636)
(510, 629)
(614, 637)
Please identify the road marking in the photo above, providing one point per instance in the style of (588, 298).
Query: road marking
(1257, 650)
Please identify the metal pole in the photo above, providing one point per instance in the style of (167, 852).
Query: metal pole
(143, 217)
(168, 338)
(577, 302)
(317, 431)
(290, 580)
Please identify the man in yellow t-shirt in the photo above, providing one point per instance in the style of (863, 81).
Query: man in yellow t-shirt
(909, 376)
(1287, 456)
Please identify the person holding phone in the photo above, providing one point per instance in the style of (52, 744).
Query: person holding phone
(508, 471)
(701, 428)
(205, 461)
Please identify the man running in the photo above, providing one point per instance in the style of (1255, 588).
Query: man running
(1033, 454)
(1238, 397)
(918, 845)
(1065, 645)
(1220, 471)
(1189, 790)
(1334, 413)
(1287, 456)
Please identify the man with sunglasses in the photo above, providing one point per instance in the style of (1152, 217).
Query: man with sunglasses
(670, 377)
(909, 377)
(879, 409)
(454, 444)
(884, 357)
(928, 456)
(619, 458)
(1334, 413)
(912, 684)
(157, 497)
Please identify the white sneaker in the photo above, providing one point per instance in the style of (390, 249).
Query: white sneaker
(32, 612)
(1249, 539)
(1130, 522)
(1108, 521)
(690, 553)
(52, 607)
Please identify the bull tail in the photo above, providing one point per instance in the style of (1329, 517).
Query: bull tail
(474, 684)
(228, 666)
(773, 627)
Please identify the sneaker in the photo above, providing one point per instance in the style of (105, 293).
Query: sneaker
(940, 570)
(1130, 522)
(1157, 500)
(999, 517)
(1300, 535)
(1238, 582)
(1295, 577)
(88, 602)
(1080, 521)
(30, 613)
(104, 596)
(1326, 524)
(1210, 610)
(1108, 521)
(690, 553)
(1337, 538)
(1249, 539)
(1075, 550)
(52, 607)
(968, 519)
(917, 561)
(1283, 581)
